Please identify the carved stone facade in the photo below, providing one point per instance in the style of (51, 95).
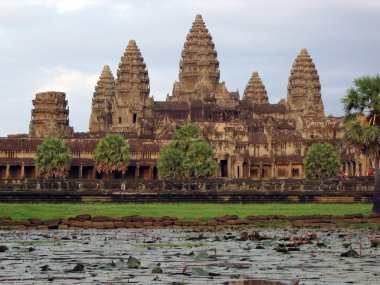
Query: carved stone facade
(252, 138)
(304, 88)
(50, 116)
(255, 90)
(102, 102)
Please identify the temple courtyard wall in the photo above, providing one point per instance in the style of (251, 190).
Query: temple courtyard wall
(356, 190)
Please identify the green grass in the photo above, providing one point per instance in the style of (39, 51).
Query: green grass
(46, 211)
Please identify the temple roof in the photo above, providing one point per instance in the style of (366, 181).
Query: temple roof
(106, 81)
(255, 90)
(269, 108)
(304, 87)
(132, 73)
(199, 57)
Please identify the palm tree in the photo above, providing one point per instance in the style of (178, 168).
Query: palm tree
(362, 121)
(112, 155)
(53, 159)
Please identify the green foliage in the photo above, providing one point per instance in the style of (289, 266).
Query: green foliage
(112, 154)
(362, 122)
(169, 163)
(321, 161)
(188, 155)
(199, 160)
(362, 114)
(53, 159)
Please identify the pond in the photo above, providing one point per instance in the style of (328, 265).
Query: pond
(190, 256)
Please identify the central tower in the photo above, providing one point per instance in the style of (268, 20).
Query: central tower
(199, 67)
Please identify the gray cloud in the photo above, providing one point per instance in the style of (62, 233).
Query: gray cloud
(63, 44)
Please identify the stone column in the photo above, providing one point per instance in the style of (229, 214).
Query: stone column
(150, 172)
(7, 172)
(351, 173)
(260, 174)
(273, 170)
(290, 170)
(80, 171)
(301, 172)
(137, 171)
(229, 168)
(22, 170)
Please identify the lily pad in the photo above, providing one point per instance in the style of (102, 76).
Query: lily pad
(115, 265)
(3, 248)
(157, 270)
(350, 253)
(202, 255)
(199, 271)
(133, 263)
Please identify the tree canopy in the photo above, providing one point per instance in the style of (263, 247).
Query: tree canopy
(321, 161)
(112, 155)
(362, 122)
(53, 159)
(186, 156)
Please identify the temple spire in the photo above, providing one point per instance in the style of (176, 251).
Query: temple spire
(255, 90)
(304, 87)
(131, 89)
(101, 117)
(198, 62)
(132, 73)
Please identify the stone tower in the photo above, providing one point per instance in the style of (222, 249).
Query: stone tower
(199, 67)
(255, 90)
(132, 101)
(50, 116)
(304, 88)
(101, 109)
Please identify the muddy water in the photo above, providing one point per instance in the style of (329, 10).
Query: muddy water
(188, 256)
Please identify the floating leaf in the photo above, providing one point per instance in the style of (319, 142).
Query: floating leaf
(115, 265)
(199, 271)
(157, 270)
(202, 255)
(45, 268)
(350, 253)
(3, 248)
(133, 263)
(78, 268)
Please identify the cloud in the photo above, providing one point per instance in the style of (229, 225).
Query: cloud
(64, 6)
(63, 79)
(78, 87)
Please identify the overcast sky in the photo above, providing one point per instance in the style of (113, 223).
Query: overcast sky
(62, 45)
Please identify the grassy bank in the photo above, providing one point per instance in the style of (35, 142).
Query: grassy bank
(46, 211)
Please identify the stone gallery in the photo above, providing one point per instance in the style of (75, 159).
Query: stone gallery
(251, 137)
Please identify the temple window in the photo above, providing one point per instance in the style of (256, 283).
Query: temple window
(134, 118)
(119, 120)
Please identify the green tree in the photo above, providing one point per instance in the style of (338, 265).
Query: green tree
(362, 122)
(169, 163)
(321, 161)
(53, 159)
(112, 155)
(199, 160)
(187, 155)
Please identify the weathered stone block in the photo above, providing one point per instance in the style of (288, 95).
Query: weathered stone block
(109, 225)
(84, 217)
(100, 219)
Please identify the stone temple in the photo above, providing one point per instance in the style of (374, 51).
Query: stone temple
(252, 138)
